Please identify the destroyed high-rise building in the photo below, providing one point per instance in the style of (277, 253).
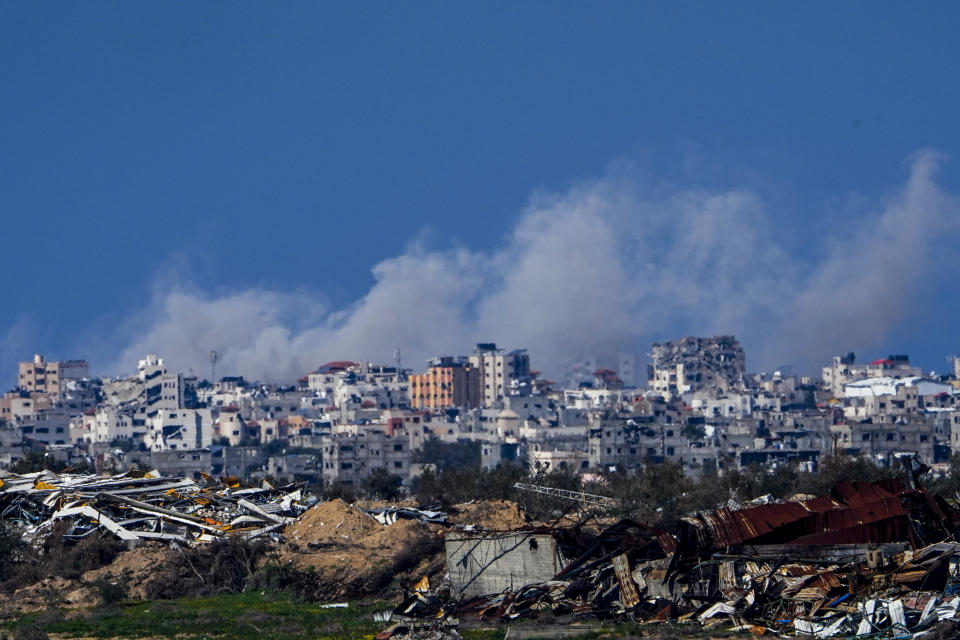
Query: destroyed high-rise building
(693, 364)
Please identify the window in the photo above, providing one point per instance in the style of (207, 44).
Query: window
(398, 465)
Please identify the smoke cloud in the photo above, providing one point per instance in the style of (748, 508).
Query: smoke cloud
(603, 268)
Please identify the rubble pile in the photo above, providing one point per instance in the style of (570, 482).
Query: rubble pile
(870, 559)
(427, 514)
(137, 507)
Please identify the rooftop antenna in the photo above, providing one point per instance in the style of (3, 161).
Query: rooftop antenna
(214, 356)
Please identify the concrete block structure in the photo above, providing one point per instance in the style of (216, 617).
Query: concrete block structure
(481, 563)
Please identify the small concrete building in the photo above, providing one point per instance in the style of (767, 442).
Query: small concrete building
(486, 562)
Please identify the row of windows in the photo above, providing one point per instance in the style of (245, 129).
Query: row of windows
(344, 466)
(891, 436)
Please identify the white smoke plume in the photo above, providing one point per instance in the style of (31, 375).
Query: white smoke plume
(602, 268)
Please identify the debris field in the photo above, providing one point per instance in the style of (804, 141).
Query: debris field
(138, 507)
(870, 559)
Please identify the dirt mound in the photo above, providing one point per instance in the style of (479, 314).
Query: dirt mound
(134, 567)
(355, 554)
(329, 522)
(49, 593)
(498, 515)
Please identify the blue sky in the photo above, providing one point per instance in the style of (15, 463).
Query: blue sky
(231, 152)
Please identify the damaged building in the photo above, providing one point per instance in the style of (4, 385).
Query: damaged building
(694, 364)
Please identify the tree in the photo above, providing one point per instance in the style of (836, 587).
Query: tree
(653, 491)
(13, 549)
(834, 469)
(36, 460)
(382, 485)
(449, 455)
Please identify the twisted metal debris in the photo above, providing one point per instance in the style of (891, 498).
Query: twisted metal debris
(878, 560)
(137, 506)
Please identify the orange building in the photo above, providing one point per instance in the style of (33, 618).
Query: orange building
(448, 383)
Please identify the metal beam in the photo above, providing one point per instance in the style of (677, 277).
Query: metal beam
(576, 496)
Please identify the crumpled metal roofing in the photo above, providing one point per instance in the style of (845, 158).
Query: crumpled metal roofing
(856, 513)
(138, 506)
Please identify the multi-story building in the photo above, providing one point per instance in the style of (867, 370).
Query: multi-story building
(180, 429)
(501, 374)
(162, 390)
(349, 459)
(844, 370)
(230, 425)
(40, 376)
(50, 427)
(109, 423)
(20, 405)
(884, 441)
(449, 382)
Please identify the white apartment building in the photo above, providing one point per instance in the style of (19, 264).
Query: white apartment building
(179, 429)
(844, 370)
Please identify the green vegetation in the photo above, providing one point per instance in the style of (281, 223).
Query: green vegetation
(240, 615)
(37, 459)
(382, 485)
(260, 615)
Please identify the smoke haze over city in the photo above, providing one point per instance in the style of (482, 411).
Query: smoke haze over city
(604, 267)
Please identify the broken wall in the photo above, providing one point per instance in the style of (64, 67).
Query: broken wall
(495, 562)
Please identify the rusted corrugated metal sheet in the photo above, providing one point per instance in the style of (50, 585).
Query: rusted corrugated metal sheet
(629, 597)
(857, 513)
(667, 542)
(860, 493)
